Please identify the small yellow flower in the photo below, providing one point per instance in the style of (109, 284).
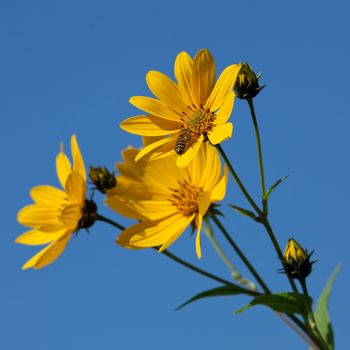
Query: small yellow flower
(55, 214)
(294, 252)
(296, 260)
(187, 113)
(164, 197)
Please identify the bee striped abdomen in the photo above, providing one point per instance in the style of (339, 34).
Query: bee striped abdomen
(183, 141)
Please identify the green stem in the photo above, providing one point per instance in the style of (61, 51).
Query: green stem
(311, 318)
(273, 239)
(258, 144)
(238, 180)
(179, 260)
(205, 273)
(234, 272)
(241, 254)
(109, 221)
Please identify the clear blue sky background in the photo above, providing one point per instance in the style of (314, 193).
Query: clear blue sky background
(70, 66)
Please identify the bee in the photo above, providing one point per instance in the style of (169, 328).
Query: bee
(183, 141)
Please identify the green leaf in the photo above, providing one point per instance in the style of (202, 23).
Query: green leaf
(321, 312)
(220, 291)
(289, 303)
(243, 211)
(270, 190)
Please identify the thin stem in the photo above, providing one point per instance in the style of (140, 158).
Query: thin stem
(238, 180)
(273, 239)
(204, 273)
(311, 318)
(258, 144)
(241, 255)
(181, 261)
(234, 272)
(109, 221)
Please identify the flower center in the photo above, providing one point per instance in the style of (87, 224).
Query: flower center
(185, 198)
(198, 120)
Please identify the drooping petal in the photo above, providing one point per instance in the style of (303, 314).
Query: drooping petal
(48, 195)
(154, 146)
(48, 254)
(223, 87)
(183, 75)
(199, 220)
(166, 90)
(76, 188)
(219, 191)
(120, 205)
(35, 215)
(78, 162)
(71, 216)
(183, 160)
(203, 76)
(220, 133)
(154, 107)
(204, 202)
(225, 110)
(149, 126)
(148, 234)
(36, 237)
(63, 167)
(182, 224)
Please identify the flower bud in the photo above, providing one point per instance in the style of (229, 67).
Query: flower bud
(102, 178)
(89, 214)
(296, 260)
(247, 83)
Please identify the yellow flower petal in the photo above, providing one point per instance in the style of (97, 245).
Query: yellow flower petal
(36, 237)
(199, 221)
(166, 90)
(183, 75)
(154, 146)
(225, 110)
(210, 167)
(154, 107)
(204, 202)
(219, 191)
(36, 215)
(76, 188)
(78, 161)
(47, 255)
(48, 195)
(150, 233)
(71, 216)
(63, 167)
(220, 133)
(203, 76)
(183, 160)
(182, 224)
(149, 126)
(223, 87)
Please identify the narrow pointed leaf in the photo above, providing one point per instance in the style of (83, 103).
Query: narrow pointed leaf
(220, 291)
(288, 303)
(243, 211)
(321, 312)
(270, 190)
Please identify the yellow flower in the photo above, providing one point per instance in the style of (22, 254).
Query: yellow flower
(296, 261)
(164, 197)
(294, 252)
(189, 112)
(55, 214)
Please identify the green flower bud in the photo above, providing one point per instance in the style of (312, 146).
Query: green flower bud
(102, 178)
(296, 260)
(247, 83)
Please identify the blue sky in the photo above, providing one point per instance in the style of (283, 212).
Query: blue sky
(70, 66)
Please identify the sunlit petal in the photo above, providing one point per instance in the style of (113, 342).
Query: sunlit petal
(220, 133)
